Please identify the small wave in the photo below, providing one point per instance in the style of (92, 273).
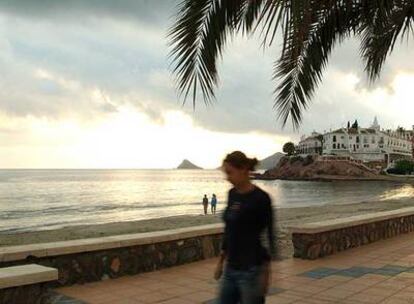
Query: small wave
(82, 209)
(38, 227)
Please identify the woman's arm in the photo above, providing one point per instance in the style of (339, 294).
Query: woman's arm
(223, 254)
(267, 269)
(270, 218)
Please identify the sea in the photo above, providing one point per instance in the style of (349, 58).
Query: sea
(34, 200)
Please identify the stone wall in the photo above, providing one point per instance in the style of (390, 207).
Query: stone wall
(26, 294)
(95, 265)
(314, 242)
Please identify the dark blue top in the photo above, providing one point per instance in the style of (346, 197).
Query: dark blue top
(246, 217)
(214, 200)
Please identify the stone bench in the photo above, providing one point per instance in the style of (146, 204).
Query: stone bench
(25, 284)
(315, 240)
(94, 259)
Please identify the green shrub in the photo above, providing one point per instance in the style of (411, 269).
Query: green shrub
(402, 167)
(308, 160)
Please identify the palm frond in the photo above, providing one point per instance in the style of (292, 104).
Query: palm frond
(273, 16)
(310, 29)
(198, 38)
(252, 12)
(309, 41)
(380, 32)
(185, 36)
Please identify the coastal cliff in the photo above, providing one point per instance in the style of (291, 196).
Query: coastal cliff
(311, 168)
(270, 161)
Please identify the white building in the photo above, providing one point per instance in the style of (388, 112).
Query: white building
(310, 145)
(370, 144)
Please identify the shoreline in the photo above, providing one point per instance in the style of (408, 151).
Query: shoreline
(333, 178)
(285, 217)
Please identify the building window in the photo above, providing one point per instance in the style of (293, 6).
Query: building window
(357, 139)
(334, 146)
(334, 138)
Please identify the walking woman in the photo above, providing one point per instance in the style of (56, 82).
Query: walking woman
(244, 262)
(213, 204)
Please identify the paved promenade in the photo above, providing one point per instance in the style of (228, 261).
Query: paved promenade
(382, 272)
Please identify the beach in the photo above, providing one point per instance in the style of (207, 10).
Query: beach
(284, 218)
(40, 200)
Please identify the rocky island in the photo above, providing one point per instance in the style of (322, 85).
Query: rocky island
(186, 164)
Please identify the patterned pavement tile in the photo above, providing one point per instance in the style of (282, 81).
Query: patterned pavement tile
(377, 273)
(391, 270)
(356, 272)
(57, 298)
(319, 273)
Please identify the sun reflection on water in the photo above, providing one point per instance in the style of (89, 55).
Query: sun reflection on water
(401, 192)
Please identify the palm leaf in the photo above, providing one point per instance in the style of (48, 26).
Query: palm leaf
(198, 38)
(310, 38)
(380, 32)
(310, 29)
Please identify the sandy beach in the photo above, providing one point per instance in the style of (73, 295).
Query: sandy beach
(285, 217)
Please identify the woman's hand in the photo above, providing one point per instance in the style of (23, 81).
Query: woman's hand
(266, 278)
(218, 272)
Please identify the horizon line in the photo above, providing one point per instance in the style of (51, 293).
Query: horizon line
(105, 169)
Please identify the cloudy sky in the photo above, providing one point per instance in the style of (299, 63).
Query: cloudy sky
(86, 84)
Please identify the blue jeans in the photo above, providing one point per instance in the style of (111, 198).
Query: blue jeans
(241, 286)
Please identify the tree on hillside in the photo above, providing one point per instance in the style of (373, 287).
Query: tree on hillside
(355, 124)
(310, 30)
(289, 148)
(320, 138)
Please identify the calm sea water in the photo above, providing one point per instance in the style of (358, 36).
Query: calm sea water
(49, 199)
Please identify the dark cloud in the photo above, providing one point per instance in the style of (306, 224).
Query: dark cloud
(119, 48)
(154, 12)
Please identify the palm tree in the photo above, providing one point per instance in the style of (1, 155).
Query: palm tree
(310, 30)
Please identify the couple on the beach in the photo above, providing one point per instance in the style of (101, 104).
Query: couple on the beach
(244, 264)
(213, 204)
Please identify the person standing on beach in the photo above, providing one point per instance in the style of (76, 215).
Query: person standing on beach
(246, 275)
(205, 204)
(213, 204)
